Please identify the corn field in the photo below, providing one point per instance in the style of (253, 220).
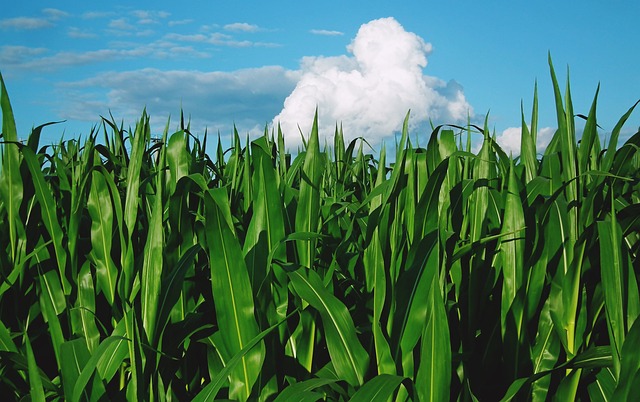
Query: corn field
(141, 268)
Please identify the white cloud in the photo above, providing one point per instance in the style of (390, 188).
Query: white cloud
(25, 23)
(180, 22)
(218, 39)
(13, 58)
(146, 17)
(370, 91)
(77, 33)
(509, 139)
(54, 13)
(121, 24)
(326, 32)
(241, 27)
(98, 14)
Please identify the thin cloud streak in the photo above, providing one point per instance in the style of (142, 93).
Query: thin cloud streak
(218, 100)
(326, 32)
(25, 23)
(241, 27)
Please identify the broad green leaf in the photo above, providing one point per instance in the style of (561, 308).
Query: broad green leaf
(307, 212)
(86, 307)
(347, 354)
(378, 389)
(177, 159)
(601, 390)
(528, 153)
(589, 137)
(512, 247)
(36, 391)
(297, 391)
(266, 229)
(114, 353)
(49, 214)
(211, 390)
(433, 379)
(233, 300)
(75, 356)
(170, 289)
(100, 208)
(50, 294)
(628, 387)
(545, 353)
(6, 343)
(11, 186)
(153, 263)
(90, 367)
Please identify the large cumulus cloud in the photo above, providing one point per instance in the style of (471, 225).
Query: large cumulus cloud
(370, 90)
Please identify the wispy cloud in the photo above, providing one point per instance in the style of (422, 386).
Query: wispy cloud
(180, 22)
(121, 24)
(98, 14)
(241, 27)
(26, 59)
(77, 33)
(326, 32)
(146, 17)
(25, 23)
(218, 39)
(247, 98)
(18, 55)
(32, 23)
(54, 13)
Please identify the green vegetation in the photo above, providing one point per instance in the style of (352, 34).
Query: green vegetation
(144, 269)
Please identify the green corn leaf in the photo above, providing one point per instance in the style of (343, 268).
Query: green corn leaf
(233, 300)
(308, 211)
(378, 389)
(49, 214)
(100, 208)
(171, 288)
(86, 307)
(75, 356)
(567, 139)
(545, 353)
(50, 296)
(601, 390)
(152, 265)
(297, 391)
(211, 390)
(512, 249)
(36, 391)
(412, 303)
(433, 378)
(528, 153)
(628, 387)
(347, 354)
(266, 229)
(11, 186)
(114, 353)
(177, 159)
(589, 137)
(6, 342)
(90, 367)
(616, 272)
(607, 160)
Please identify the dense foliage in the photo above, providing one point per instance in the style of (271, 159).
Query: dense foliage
(142, 268)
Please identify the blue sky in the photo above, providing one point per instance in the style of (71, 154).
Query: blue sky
(364, 64)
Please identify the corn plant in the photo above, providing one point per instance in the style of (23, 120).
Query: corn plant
(140, 267)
